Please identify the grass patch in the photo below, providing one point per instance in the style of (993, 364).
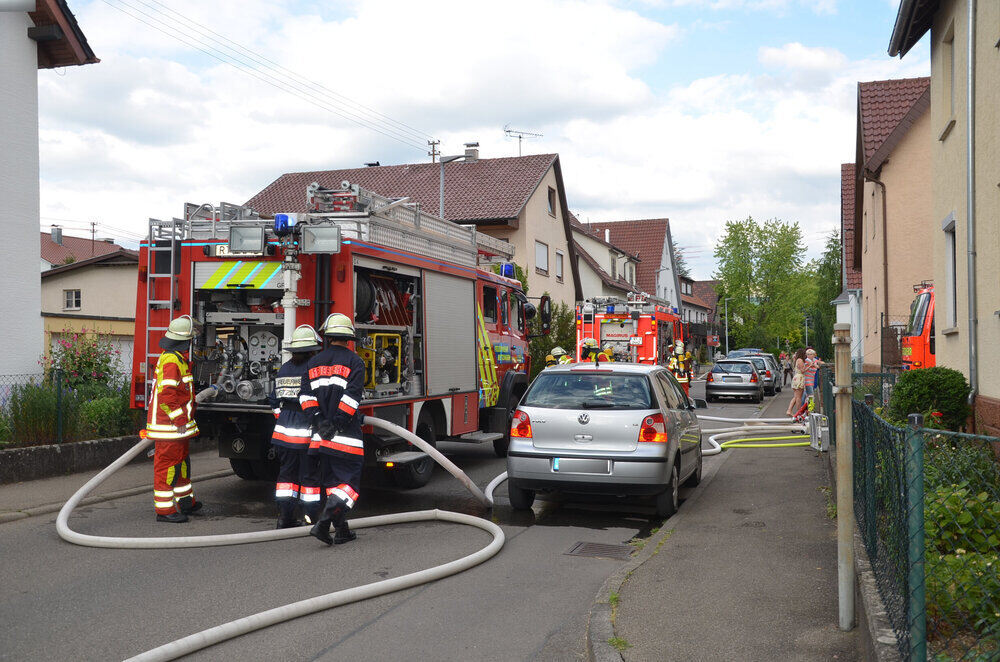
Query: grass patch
(619, 644)
(613, 600)
(831, 505)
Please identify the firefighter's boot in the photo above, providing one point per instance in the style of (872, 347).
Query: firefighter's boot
(286, 516)
(321, 531)
(344, 534)
(173, 518)
(188, 505)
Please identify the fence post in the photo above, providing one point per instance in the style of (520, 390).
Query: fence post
(845, 475)
(58, 374)
(916, 600)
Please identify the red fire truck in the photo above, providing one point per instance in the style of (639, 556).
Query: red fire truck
(639, 330)
(918, 340)
(443, 337)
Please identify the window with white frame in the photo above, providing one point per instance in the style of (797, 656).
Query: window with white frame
(542, 258)
(552, 201)
(559, 265)
(71, 299)
(950, 275)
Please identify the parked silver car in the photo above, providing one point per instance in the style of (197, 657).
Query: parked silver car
(776, 370)
(733, 378)
(768, 377)
(620, 429)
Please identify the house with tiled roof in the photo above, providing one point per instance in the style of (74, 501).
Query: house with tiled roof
(58, 249)
(605, 269)
(892, 210)
(93, 295)
(649, 240)
(519, 199)
(42, 34)
(849, 302)
(963, 234)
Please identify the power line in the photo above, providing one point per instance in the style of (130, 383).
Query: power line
(242, 66)
(274, 65)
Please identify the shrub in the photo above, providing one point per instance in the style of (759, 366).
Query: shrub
(562, 333)
(34, 416)
(950, 461)
(956, 518)
(105, 417)
(83, 358)
(928, 391)
(962, 590)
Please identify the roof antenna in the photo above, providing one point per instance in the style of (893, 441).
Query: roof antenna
(521, 135)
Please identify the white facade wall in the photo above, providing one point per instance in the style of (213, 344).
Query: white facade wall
(666, 279)
(590, 282)
(20, 288)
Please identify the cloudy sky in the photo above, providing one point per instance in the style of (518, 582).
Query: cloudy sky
(698, 110)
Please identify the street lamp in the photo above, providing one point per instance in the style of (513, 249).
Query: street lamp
(726, 302)
(807, 330)
(443, 160)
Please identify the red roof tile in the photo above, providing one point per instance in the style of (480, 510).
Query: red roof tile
(644, 238)
(73, 247)
(482, 190)
(694, 301)
(882, 104)
(618, 283)
(705, 290)
(847, 177)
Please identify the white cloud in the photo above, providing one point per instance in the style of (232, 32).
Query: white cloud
(153, 126)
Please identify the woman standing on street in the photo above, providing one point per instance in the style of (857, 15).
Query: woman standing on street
(798, 382)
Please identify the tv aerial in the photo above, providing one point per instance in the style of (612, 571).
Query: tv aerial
(520, 135)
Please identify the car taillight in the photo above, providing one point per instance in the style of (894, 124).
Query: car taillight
(653, 430)
(753, 377)
(767, 374)
(709, 377)
(520, 425)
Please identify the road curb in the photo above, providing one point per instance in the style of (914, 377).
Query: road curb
(600, 622)
(110, 496)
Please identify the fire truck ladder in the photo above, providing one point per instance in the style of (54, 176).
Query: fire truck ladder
(164, 239)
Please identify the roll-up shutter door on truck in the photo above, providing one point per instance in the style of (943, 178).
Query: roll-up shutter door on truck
(449, 333)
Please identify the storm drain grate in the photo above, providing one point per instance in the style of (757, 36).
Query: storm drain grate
(600, 550)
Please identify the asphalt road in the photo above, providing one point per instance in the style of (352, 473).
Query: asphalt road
(530, 602)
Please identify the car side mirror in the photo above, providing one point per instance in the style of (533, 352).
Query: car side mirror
(700, 404)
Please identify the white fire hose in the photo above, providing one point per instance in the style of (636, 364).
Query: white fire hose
(735, 437)
(219, 633)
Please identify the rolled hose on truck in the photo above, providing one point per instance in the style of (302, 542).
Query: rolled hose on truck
(731, 436)
(260, 620)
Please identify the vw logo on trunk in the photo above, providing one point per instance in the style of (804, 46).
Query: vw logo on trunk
(584, 418)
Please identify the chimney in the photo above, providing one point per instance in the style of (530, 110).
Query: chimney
(471, 152)
(57, 234)
(607, 235)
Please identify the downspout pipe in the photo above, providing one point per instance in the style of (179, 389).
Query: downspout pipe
(970, 178)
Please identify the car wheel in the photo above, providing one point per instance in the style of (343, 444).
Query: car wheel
(760, 397)
(520, 498)
(694, 479)
(669, 499)
(417, 474)
(709, 398)
(501, 445)
(243, 468)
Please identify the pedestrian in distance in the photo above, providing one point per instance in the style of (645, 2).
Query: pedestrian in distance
(331, 391)
(798, 382)
(171, 425)
(813, 362)
(297, 487)
(786, 368)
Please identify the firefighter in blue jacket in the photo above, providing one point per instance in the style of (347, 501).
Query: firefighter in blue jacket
(298, 474)
(332, 390)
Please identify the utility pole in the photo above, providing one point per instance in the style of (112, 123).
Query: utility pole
(845, 476)
(93, 236)
(807, 330)
(727, 324)
(434, 150)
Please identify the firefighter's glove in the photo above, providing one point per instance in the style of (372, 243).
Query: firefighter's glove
(328, 430)
(207, 393)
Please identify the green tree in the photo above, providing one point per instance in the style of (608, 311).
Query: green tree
(826, 274)
(760, 267)
(681, 262)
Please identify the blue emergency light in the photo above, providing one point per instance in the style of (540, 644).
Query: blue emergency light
(610, 309)
(284, 223)
(507, 270)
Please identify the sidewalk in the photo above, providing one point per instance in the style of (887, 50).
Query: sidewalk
(747, 570)
(37, 497)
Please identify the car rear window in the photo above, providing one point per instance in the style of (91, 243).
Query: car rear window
(733, 368)
(760, 363)
(563, 390)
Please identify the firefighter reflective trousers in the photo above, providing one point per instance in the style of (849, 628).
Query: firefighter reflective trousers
(298, 481)
(340, 477)
(171, 475)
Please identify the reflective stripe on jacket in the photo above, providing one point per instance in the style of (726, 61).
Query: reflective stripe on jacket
(170, 416)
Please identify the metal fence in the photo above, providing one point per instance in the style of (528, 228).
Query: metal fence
(927, 504)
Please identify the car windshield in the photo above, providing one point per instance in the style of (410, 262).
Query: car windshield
(918, 311)
(565, 390)
(737, 353)
(735, 368)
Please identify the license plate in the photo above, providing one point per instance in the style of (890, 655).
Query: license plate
(577, 465)
(732, 379)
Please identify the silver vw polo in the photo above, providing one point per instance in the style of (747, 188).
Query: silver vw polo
(620, 429)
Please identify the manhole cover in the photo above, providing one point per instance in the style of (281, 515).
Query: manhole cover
(600, 550)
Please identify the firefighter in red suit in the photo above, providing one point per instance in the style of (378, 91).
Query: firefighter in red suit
(298, 472)
(332, 389)
(170, 423)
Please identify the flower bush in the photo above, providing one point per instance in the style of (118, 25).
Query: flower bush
(83, 358)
